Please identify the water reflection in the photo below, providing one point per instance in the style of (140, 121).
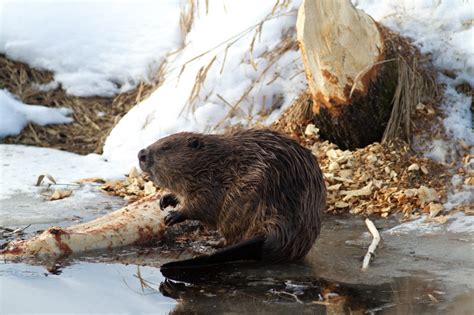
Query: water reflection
(283, 289)
(80, 288)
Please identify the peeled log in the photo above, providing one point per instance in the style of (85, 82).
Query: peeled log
(352, 65)
(136, 223)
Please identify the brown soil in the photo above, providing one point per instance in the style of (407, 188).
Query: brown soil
(94, 117)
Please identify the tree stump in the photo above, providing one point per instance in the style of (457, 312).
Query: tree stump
(355, 69)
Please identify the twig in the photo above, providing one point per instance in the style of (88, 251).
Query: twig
(373, 245)
(288, 294)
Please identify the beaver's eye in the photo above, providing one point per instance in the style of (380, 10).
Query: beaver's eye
(194, 143)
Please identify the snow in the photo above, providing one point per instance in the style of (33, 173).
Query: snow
(443, 29)
(237, 75)
(92, 47)
(457, 223)
(16, 115)
(92, 53)
(21, 165)
(80, 289)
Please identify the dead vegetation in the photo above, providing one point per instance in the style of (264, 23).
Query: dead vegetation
(94, 117)
(382, 179)
(416, 84)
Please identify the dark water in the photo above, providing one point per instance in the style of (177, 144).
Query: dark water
(412, 273)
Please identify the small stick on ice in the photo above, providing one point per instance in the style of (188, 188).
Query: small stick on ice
(373, 245)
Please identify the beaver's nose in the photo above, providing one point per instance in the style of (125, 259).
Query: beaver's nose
(142, 156)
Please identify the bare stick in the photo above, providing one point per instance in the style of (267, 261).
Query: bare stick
(373, 245)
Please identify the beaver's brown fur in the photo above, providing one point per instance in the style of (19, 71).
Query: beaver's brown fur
(246, 183)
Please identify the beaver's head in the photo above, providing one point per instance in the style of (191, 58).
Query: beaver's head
(179, 159)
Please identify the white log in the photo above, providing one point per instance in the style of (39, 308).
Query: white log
(341, 48)
(134, 224)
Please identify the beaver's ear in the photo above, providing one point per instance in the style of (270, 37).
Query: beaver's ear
(194, 143)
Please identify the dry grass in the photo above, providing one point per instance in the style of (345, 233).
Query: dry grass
(94, 117)
(288, 41)
(416, 84)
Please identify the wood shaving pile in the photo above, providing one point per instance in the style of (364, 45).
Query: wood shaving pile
(132, 188)
(383, 179)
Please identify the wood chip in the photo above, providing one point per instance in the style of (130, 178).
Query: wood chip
(365, 191)
(311, 130)
(149, 188)
(424, 170)
(427, 195)
(333, 166)
(60, 194)
(414, 167)
(341, 204)
(435, 209)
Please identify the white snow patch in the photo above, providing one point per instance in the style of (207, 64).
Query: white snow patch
(441, 28)
(457, 223)
(21, 165)
(93, 47)
(437, 150)
(461, 223)
(15, 115)
(415, 226)
(50, 86)
(259, 88)
(465, 196)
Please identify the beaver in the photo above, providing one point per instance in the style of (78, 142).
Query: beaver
(262, 190)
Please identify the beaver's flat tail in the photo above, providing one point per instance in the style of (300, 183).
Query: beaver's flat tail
(246, 250)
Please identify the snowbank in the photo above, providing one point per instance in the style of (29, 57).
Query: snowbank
(21, 165)
(15, 115)
(93, 47)
(255, 70)
(443, 29)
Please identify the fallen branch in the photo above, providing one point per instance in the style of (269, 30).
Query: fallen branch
(373, 245)
(136, 223)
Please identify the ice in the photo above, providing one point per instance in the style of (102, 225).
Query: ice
(21, 165)
(83, 288)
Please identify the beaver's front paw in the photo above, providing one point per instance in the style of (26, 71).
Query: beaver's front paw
(172, 289)
(174, 217)
(168, 200)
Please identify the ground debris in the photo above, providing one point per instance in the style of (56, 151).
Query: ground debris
(60, 194)
(380, 179)
(94, 117)
(133, 187)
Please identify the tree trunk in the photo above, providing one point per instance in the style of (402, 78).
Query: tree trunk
(352, 67)
(136, 223)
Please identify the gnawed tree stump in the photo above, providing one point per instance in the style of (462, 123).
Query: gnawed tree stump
(137, 223)
(364, 80)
